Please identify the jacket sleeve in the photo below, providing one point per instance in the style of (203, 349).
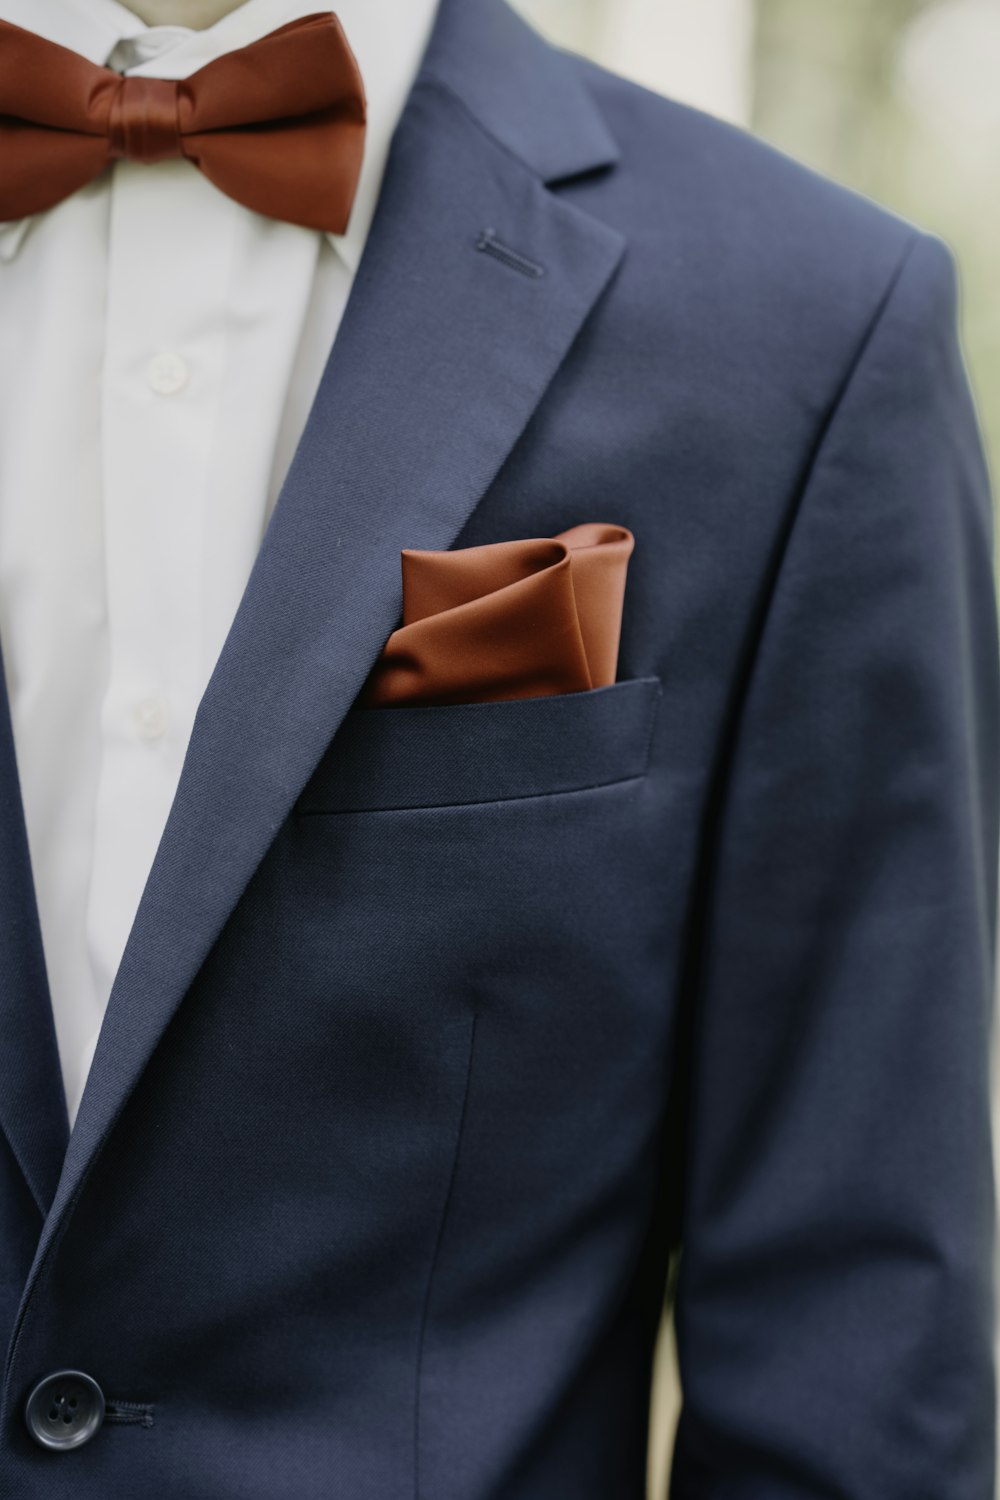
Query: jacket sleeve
(834, 1304)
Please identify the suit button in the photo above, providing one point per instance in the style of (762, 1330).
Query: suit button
(64, 1410)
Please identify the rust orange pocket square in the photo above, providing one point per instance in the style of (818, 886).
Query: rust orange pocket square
(521, 619)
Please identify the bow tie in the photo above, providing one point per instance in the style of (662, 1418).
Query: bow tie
(278, 125)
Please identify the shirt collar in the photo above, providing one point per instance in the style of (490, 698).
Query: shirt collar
(388, 40)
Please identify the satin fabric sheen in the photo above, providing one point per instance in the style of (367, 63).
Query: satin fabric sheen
(520, 619)
(278, 125)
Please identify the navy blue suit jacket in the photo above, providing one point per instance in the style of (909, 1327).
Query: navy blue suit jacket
(439, 1026)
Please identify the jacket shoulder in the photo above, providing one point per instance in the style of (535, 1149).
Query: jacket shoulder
(726, 206)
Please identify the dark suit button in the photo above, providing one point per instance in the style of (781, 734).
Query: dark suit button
(64, 1410)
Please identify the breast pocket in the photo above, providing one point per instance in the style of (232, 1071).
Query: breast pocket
(461, 754)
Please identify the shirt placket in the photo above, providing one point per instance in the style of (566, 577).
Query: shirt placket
(163, 371)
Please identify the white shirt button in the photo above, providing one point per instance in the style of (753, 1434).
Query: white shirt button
(150, 718)
(167, 373)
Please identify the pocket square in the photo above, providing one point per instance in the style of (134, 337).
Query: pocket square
(520, 619)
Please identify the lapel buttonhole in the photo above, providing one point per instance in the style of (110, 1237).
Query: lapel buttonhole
(490, 245)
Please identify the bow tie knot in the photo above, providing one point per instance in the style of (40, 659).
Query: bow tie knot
(143, 124)
(279, 125)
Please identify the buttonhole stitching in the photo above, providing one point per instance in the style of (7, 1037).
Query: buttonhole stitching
(130, 1413)
(490, 245)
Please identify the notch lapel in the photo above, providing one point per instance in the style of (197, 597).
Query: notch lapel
(442, 356)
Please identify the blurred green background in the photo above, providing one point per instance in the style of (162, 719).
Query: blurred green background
(901, 99)
(898, 99)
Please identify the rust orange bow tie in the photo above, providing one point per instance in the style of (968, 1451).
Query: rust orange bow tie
(278, 125)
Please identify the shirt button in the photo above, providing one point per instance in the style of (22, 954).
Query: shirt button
(64, 1410)
(150, 718)
(167, 373)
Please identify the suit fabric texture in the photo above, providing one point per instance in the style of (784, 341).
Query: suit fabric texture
(438, 1026)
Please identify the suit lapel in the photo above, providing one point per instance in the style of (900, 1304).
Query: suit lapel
(442, 356)
(32, 1104)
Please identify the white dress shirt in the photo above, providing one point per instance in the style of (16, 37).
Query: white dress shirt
(160, 346)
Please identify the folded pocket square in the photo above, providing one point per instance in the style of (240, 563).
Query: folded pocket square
(521, 619)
